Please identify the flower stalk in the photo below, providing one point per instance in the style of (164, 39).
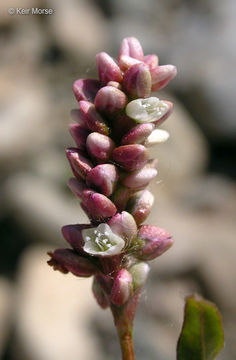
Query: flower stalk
(116, 121)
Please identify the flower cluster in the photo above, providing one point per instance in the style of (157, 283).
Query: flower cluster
(115, 124)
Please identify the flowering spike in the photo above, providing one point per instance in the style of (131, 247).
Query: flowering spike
(162, 75)
(122, 288)
(137, 81)
(86, 89)
(108, 70)
(155, 242)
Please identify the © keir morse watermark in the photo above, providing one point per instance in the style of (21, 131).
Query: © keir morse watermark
(30, 11)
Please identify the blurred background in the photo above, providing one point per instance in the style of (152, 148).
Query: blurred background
(45, 315)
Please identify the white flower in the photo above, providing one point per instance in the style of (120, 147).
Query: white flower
(101, 241)
(157, 136)
(146, 110)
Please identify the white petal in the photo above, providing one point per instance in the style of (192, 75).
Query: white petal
(146, 110)
(157, 136)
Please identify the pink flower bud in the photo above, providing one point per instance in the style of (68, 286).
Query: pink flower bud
(115, 84)
(139, 273)
(137, 134)
(76, 186)
(140, 204)
(99, 147)
(122, 288)
(98, 206)
(66, 260)
(137, 81)
(130, 157)
(161, 76)
(103, 178)
(110, 100)
(120, 197)
(124, 225)
(79, 135)
(93, 120)
(79, 118)
(140, 178)
(72, 234)
(126, 62)
(121, 126)
(155, 242)
(108, 70)
(80, 165)
(130, 46)
(99, 294)
(85, 89)
(151, 60)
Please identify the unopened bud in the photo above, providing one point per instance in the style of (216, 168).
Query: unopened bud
(162, 75)
(99, 294)
(138, 134)
(140, 178)
(130, 46)
(101, 241)
(137, 81)
(110, 100)
(151, 60)
(124, 225)
(156, 137)
(99, 147)
(148, 110)
(80, 165)
(121, 126)
(103, 178)
(79, 135)
(126, 62)
(139, 273)
(140, 204)
(115, 84)
(155, 242)
(85, 89)
(108, 70)
(66, 260)
(98, 206)
(130, 157)
(122, 288)
(73, 235)
(93, 120)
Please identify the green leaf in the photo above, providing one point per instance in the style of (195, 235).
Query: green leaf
(202, 335)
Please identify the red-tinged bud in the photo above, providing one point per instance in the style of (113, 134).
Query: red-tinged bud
(126, 62)
(99, 294)
(139, 273)
(122, 288)
(161, 76)
(140, 204)
(155, 242)
(79, 118)
(124, 225)
(130, 46)
(130, 157)
(103, 178)
(140, 178)
(85, 89)
(98, 206)
(151, 60)
(79, 135)
(120, 197)
(80, 165)
(108, 70)
(137, 81)
(93, 120)
(138, 134)
(115, 84)
(76, 186)
(110, 100)
(121, 126)
(66, 260)
(72, 234)
(99, 147)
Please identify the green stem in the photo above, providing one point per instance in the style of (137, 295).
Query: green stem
(123, 319)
